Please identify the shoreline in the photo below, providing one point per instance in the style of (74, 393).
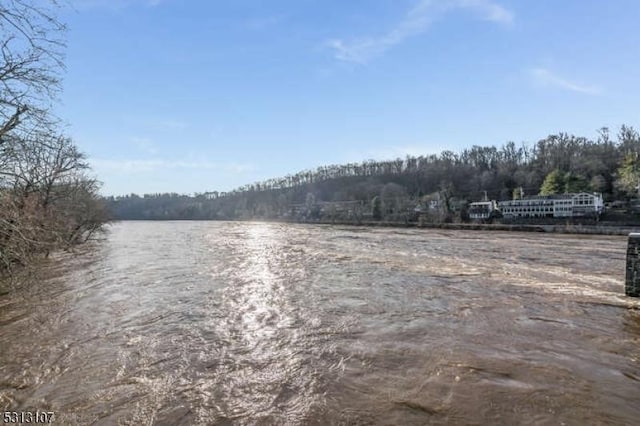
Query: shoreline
(546, 228)
(556, 228)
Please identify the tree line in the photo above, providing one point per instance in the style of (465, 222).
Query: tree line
(48, 197)
(386, 189)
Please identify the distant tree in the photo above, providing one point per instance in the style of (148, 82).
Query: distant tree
(575, 183)
(310, 201)
(628, 173)
(598, 183)
(553, 183)
(629, 140)
(446, 194)
(556, 164)
(392, 196)
(376, 208)
(332, 212)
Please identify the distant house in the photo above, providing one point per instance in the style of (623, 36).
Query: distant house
(634, 205)
(483, 210)
(431, 202)
(554, 206)
(340, 207)
(586, 204)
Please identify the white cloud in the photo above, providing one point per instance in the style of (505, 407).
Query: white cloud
(144, 144)
(546, 78)
(416, 22)
(488, 10)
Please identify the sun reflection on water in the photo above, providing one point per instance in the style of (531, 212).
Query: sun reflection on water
(262, 366)
(262, 292)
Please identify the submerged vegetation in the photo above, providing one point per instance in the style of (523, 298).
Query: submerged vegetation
(439, 186)
(48, 199)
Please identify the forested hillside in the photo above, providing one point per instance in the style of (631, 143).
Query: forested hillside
(393, 189)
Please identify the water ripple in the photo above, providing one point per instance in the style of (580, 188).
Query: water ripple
(255, 323)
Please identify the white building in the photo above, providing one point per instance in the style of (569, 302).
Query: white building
(482, 209)
(557, 206)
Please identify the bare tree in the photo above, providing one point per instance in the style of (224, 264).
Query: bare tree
(31, 59)
(47, 199)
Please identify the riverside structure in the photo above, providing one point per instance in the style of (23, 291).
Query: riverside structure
(582, 204)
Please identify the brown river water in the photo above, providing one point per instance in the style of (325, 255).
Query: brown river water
(174, 323)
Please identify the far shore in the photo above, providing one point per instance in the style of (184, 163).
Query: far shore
(549, 228)
(557, 228)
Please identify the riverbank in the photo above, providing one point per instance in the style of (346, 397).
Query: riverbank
(549, 228)
(557, 228)
(21, 276)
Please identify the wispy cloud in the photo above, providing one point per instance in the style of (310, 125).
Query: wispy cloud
(487, 10)
(417, 21)
(546, 78)
(144, 144)
(134, 166)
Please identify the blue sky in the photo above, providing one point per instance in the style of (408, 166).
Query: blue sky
(198, 95)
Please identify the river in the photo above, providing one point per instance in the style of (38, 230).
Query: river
(173, 323)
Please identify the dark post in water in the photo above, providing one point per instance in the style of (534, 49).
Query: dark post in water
(632, 282)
